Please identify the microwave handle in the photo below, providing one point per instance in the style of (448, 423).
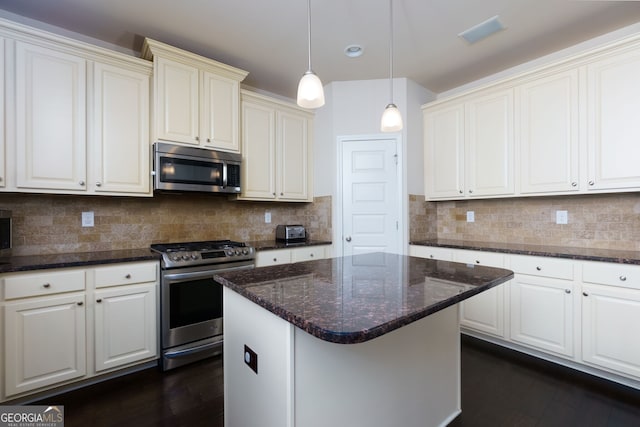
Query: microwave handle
(224, 174)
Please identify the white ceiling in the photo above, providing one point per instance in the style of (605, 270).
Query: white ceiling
(268, 37)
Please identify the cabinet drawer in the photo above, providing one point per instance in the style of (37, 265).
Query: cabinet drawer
(542, 266)
(307, 254)
(45, 283)
(489, 259)
(431, 252)
(622, 275)
(125, 274)
(275, 257)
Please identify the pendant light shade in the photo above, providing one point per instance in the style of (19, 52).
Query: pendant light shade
(310, 90)
(391, 117)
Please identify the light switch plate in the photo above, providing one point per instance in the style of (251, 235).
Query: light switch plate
(87, 219)
(471, 216)
(267, 217)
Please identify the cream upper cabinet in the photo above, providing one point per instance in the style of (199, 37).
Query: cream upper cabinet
(276, 150)
(469, 147)
(613, 135)
(119, 142)
(50, 119)
(444, 151)
(77, 118)
(489, 135)
(548, 133)
(196, 99)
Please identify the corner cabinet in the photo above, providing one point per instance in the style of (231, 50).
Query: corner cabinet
(196, 99)
(277, 147)
(61, 326)
(77, 117)
(469, 147)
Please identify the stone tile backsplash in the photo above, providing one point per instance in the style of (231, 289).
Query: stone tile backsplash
(608, 221)
(44, 224)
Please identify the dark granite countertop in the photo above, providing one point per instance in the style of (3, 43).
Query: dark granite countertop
(264, 245)
(81, 259)
(584, 254)
(350, 300)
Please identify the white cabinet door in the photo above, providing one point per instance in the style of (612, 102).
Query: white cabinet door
(125, 325)
(120, 130)
(489, 145)
(44, 342)
(293, 164)
(611, 327)
(50, 119)
(258, 151)
(613, 126)
(483, 312)
(177, 101)
(548, 133)
(219, 112)
(542, 313)
(444, 151)
(431, 252)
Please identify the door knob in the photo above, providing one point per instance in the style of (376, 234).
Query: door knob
(348, 238)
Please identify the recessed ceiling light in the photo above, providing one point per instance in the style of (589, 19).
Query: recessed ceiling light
(353, 50)
(482, 30)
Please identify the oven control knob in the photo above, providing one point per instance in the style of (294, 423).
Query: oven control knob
(245, 252)
(230, 252)
(194, 255)
(237, 252)
(174, 257)
(185, 257)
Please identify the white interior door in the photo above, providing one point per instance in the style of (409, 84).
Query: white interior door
(371, 197)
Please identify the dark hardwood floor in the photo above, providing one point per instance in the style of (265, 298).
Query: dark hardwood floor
(499, 388)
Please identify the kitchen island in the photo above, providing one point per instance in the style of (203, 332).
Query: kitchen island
(369, 340)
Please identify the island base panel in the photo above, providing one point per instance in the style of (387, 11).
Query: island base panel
(409, 377)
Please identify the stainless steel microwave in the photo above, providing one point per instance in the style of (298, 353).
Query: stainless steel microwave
(183, 169)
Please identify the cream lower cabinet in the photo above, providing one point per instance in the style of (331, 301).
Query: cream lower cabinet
(66, 325)
(125, 314)
(44, 329)
(286, 256)
(277, 147)
(611, 317)
(543, 305)
(484, 312)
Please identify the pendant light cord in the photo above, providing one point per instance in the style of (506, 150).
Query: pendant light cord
(391, 50)
(309, 31)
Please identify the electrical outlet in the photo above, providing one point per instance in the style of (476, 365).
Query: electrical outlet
(87, 219)
(267, 217)
(562, 217)
(471, 216)
(251, 358)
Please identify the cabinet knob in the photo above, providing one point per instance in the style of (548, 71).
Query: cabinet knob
(585, 294)
(99, 300)
(46, 285)
(274, 194)
(128, 276)
(539, 268)
(567, 291)
(98, 184)
(477, 261)
(592, 182)
(623, 278)
(275, 259)
(80, 303)
(311, 255)
(197, 138)
(208, 139)
(348, 238)
(81, 183)
(0, 179)
(574, 184)
(282, 194)
(470, 191)
(460, 191)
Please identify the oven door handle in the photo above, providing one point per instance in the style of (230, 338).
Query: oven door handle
(202, 274)
(187, 351)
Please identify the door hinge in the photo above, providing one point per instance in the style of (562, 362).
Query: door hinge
(395, 157)
(397, 227)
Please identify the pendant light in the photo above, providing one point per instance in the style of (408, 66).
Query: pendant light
(310, 91)
(391, 117)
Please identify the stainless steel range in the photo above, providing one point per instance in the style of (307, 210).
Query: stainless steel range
(190, 300)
